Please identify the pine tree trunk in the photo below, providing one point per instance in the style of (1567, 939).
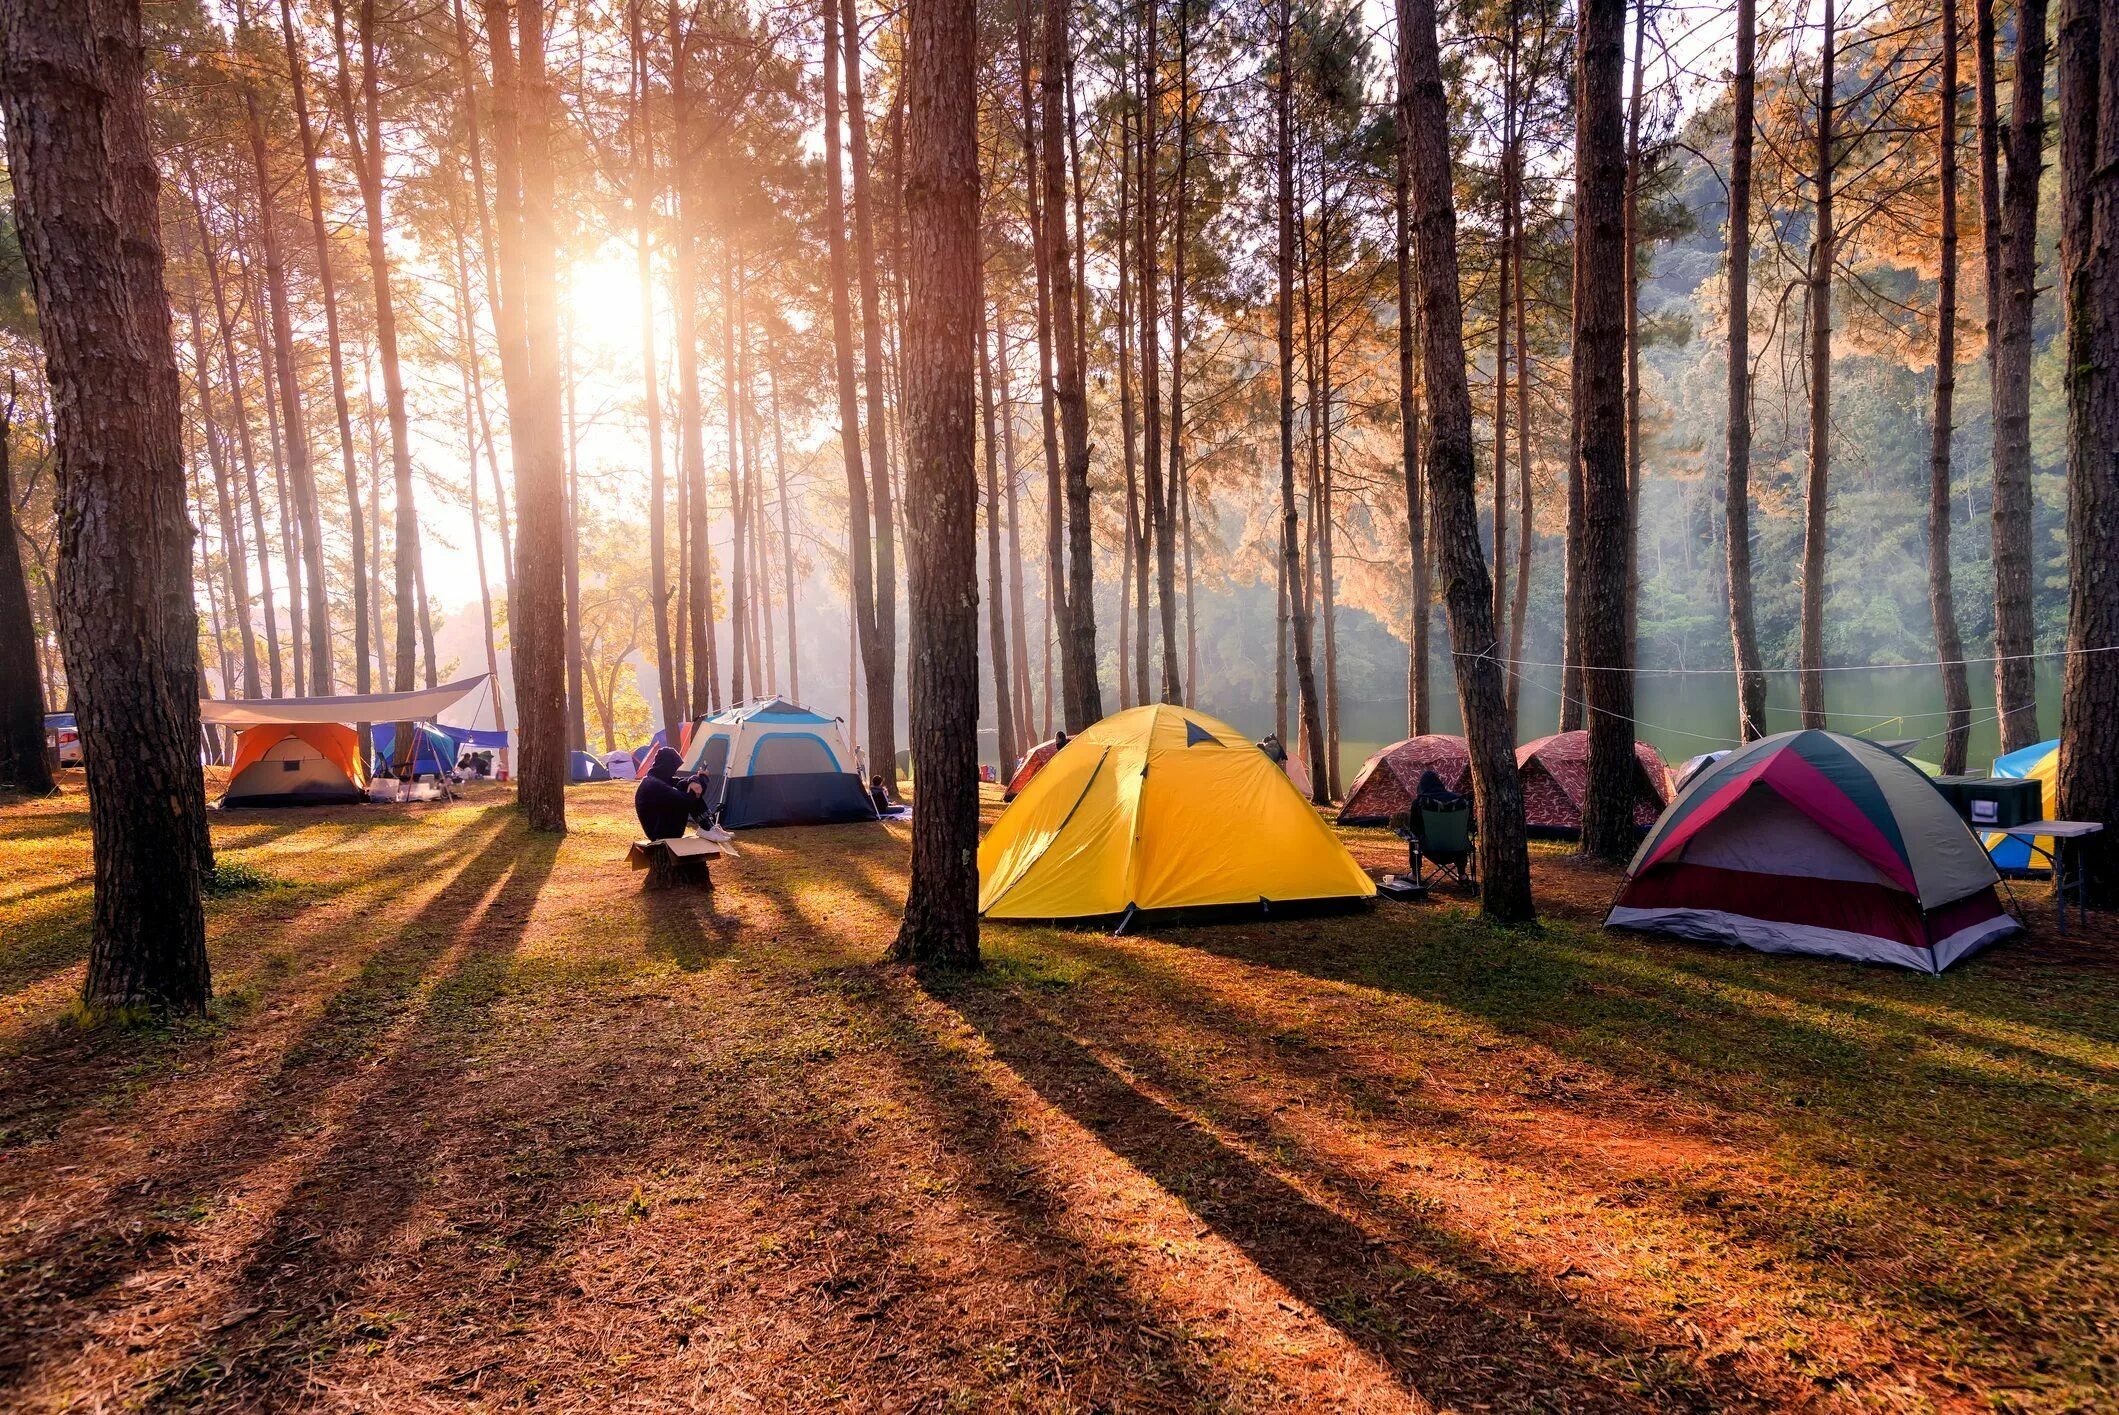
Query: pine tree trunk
(1018, 625)
(300, 472)
(1504, 858)
(467, 341)
(862, 570)
(1942, 603)
(2089, 278)
(275, 665)
(577, 674)
(1133, 550)
(642, 142)
(290, 523)
(23, 763)
(996, 612)
(879, 654)
(235, 572)
(82, 168)
(364, 138)
(1817, 485)
(528, 259)
(1633, 335)
(942, 197)
(1290, 531)
(1736, 509)
(1174, 494)
(1058, 611)
(232, 366)
(1600, 355)
(787, 537)
(1519, 618)
(1417, 693)
(699, 559)
(741, 644)
(1078, 644)
(2015, 573)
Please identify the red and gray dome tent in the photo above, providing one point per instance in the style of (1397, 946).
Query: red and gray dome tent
(1811, 842)
(1390, 779)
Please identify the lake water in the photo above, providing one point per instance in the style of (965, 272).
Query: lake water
(1682, 715)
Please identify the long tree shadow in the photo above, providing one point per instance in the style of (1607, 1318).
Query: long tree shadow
(47, 1287)
(374, 1155)
(1685, 1027)
(65, 1068)
(1450, 1319)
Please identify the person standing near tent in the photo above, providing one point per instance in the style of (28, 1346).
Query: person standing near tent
(666, 802)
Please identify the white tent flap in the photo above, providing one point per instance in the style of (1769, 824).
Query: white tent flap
(422, 705)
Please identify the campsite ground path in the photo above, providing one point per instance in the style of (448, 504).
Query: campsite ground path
(477, 1124)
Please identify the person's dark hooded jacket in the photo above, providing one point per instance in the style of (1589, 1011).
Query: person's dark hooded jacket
(661, 801)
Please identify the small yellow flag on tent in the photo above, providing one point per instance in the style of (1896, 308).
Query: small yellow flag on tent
(1159, 807)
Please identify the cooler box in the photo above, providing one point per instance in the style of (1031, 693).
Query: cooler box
(1994, 802)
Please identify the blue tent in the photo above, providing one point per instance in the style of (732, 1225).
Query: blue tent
(2013, 852)
(433, 751)
(773, 762)
(646, 749)
(583, 767)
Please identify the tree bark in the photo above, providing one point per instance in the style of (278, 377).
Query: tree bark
(941, 191)
(699, 561)
(23, 763)
(1078, 643)
(996, 611)
(570, 531)
(1634, 160)
(2089, 275)
(1175, 502)
(528, 258)
(82, 166)
(1290, 531)
(1600, 357)
(364, 139)
(861, 575)
(300, 474)
(741, 643)
(1497, 794)
(1018, 626)
(1817, 482)
(1133, 590)
(882, 661)
(235, 573)
(1058, 611)
(1417, 692)
(232, 366)
(1736, 510)
(642, 141)
(2015, 671)
(467, 336)
(1942, 603)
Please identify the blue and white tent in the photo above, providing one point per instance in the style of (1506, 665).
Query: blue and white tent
(773, 762)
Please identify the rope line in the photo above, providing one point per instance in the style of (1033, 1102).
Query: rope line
(1826, 668)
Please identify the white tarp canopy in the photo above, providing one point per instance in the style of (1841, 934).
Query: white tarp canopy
(422, 705)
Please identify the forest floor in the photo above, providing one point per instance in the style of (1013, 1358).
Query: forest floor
(474, 1122)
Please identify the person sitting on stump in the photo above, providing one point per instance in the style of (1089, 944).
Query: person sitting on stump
(665, 801)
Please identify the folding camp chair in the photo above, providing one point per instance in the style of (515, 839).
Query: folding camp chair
(1445, 842)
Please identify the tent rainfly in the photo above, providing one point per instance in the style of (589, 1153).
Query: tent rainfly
(1813, 842)
(773, 762)
(296, 764)
(1160, 807)
(1389, 779)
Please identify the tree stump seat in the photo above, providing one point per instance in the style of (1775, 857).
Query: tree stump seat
(678, 863)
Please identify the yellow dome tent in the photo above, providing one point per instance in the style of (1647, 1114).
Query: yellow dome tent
(1159, 807)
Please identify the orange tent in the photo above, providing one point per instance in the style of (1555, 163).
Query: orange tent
(296, 764)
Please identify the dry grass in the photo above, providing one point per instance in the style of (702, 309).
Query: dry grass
(476, 1123)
